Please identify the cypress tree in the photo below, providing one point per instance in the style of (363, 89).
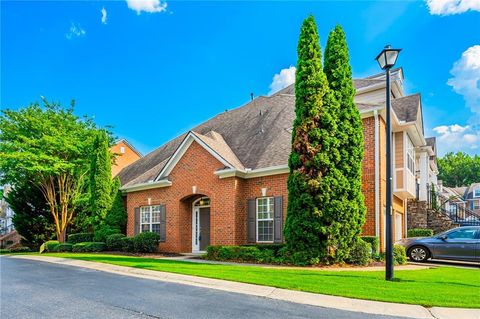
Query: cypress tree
(347, 223)
(100, 179)
(313, 175)
(117, 215)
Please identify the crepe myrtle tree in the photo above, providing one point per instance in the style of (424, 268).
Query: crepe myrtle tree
(48, 147)
(346, 223)
(313, 177)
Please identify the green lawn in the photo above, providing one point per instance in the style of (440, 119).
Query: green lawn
(444, 286)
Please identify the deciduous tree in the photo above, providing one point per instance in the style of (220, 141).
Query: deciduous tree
(51, 147)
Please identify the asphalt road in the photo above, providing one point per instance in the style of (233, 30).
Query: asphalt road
(30, 289)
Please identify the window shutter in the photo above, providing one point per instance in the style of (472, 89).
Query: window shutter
(278, 220)
(252, 221)
(136, 224)
(163, 223)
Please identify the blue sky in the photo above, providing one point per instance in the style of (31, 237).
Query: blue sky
(154, 69)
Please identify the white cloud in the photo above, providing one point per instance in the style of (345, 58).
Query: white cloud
(466, 79)
(75, 31)
(454, 138)
(150, 6)
(282, 79)
(104, 15)
(448, 7)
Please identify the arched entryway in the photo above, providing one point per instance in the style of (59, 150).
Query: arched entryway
(200, 224)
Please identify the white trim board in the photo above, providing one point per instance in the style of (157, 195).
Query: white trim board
(180, 151)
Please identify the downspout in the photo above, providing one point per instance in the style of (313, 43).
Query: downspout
(377, 176)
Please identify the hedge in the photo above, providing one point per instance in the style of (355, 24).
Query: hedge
(146, 242)
(419, 232)
(248, 253)
(49, 246)
(64, 247)
(128, 244)
(399, 255)
(373, 241)
(88, 247)
(80, 238)
(15, 250)
(360, 253)
(114, 242)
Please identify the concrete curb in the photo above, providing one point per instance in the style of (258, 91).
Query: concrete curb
(342, 303)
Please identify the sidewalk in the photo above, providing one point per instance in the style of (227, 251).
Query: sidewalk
(342, 303)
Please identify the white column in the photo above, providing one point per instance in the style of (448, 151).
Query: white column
(424, 180)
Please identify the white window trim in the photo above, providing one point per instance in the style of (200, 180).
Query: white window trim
(150, 212)
(474, 192)
(409, 148)
(264, 219)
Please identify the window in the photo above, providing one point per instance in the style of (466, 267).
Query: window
(462, 234)
(476, 192)
(475, 204)
(150, 219)
(265, 219)
(410, 155)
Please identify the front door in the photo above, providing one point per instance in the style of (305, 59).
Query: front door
(204, 228)
(200, 226)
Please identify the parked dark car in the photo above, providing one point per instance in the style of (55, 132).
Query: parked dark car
(462, 243)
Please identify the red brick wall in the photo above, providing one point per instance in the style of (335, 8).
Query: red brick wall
(228, 196)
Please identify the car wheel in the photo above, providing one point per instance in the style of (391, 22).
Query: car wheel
(418, 254)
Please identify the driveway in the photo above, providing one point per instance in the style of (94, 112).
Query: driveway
(449, 263)
(31, 289)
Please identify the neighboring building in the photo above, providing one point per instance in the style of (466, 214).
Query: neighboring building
(225, 181)
(467, 197)
(427, 172)
(6, 213)
(126, 154)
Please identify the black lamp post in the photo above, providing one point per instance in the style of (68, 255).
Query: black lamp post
(386, 59)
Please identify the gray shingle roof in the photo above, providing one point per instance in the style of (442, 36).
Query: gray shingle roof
(256, 135)
(406, 108)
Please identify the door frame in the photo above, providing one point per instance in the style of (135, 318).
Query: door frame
(196, 225)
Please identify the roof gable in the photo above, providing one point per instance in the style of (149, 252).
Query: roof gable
(215, 145)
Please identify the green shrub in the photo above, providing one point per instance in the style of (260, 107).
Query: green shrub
(419, 232)
(80, 238)
(103, 232)
(49, 246)
(88, 247)
(128, 244)
(146, 242)
(20, 250)
(114, 242)
(399, 255)
(64, 247)
(4, 251)
(248, 253)
(373, 241)
(360, 253)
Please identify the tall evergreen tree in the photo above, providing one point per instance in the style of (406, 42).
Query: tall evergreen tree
(348, 221)
(117, 215)
(313, 175)
(100, 179)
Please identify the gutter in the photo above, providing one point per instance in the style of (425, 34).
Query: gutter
(377, 176)
(145, 186)
(249, 173)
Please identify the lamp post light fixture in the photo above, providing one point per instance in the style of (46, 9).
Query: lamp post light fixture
(386, 60)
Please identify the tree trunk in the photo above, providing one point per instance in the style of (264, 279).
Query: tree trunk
(62, 236)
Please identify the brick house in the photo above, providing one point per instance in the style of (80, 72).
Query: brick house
(225, 181)
(125, 153)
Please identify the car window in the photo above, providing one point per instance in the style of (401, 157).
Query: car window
(462, 234)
